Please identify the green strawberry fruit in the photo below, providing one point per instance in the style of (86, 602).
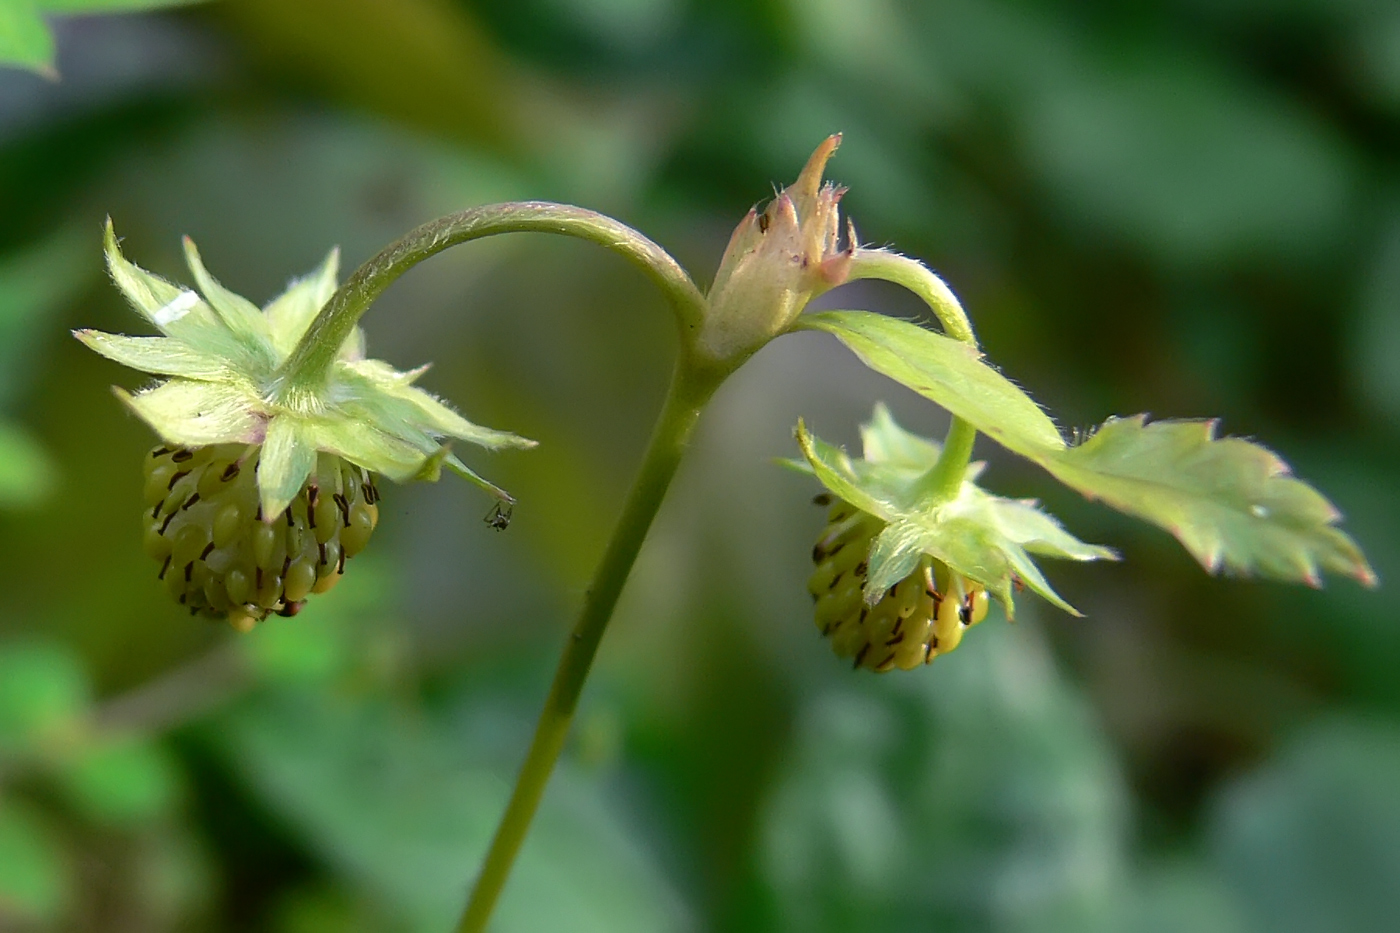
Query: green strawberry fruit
(218, 556)
(919, 618)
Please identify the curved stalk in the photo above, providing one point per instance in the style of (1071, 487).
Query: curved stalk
(919, 279)
(690, 389)
(309, 363)
(303, 375)
(944, 479)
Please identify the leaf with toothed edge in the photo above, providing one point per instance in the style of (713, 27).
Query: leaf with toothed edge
(1232, 503)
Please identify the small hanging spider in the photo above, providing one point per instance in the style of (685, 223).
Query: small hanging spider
(499, 518)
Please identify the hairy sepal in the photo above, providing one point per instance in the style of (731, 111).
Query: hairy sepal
(983, 537)
(222, 354)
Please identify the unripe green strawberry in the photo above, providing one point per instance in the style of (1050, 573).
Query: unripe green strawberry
(261, 489)
(205, 526)
(907, 562)
(919, 618)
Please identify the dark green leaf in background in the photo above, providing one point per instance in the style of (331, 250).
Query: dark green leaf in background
(125, 783)
(1311, 842)
(25, 39)
(26, 471)
(384, 798)
(1185, 207)
(978, 798)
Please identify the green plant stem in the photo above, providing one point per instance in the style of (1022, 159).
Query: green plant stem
(690, 389)
(300, 380)
(305, 370)
(919, 279)
(944, 480)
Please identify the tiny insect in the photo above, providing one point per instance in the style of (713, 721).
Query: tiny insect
(499, 518)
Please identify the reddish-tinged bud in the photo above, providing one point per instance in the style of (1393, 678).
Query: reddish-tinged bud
(776, 262)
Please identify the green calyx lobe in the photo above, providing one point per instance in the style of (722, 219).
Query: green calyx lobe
(218, 556)
(982, 538)
(921, 616)
(222, 359)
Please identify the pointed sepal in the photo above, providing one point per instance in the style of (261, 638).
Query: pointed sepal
(982, 537)
(222, 354)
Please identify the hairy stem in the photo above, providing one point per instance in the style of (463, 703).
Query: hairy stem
(919, 279)
(690, 390)
(944, 479)
(308, 366)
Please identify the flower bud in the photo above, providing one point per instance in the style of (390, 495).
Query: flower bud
(919, 618)
(776, 262)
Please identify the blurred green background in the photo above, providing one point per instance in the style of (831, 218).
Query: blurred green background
(1187, 207)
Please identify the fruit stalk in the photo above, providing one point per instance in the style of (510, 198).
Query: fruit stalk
(306, 368)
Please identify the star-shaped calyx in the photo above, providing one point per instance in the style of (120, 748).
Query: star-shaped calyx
(236, 453)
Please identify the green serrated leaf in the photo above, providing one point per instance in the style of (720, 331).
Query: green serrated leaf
(25, 39)
(1230, 502)
(949, 372)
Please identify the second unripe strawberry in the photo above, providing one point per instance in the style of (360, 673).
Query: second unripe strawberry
(914, 621)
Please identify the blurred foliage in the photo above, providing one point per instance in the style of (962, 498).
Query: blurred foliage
(25, 38)
(1185, 207)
